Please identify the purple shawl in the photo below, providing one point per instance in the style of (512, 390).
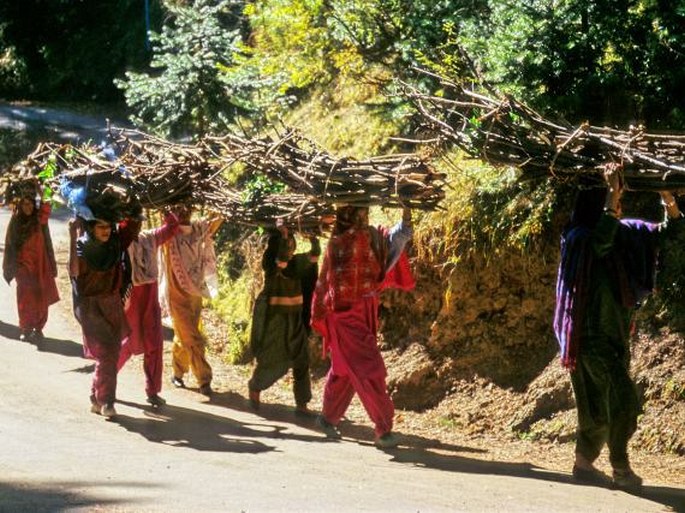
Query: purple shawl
(631, 263)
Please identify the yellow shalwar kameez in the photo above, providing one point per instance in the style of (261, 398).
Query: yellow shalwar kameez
(188, 260)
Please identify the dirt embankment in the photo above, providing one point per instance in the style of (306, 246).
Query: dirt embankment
(475, 343)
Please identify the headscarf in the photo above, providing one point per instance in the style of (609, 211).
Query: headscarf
(345, 216)
(100, 256)
(22, 226)
(276, 251)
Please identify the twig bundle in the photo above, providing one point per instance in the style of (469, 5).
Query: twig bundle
(392, 180)
(161, 174)
(503, 131)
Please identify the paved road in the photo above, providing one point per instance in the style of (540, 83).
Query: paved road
(54, 124)
(196, 455)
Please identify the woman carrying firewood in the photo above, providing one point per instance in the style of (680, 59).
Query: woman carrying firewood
(607, 267)
(30, 260)
(279, 330)
(95, 259)
(187, 276)
(359, 262)
(141, 302)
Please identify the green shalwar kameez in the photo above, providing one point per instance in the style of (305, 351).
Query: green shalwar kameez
(279, 337)
(606, 398)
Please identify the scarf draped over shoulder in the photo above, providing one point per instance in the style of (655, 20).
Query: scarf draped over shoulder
(631, 264)
(20, 228)
(192, 259)
(356, 265)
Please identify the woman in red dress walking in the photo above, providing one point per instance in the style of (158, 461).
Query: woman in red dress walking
(30, 260)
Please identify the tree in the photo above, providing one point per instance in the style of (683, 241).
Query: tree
(187, 90)
(609, 61)
(13, 73)
(66, 50)
(290, 43)
(397, 32)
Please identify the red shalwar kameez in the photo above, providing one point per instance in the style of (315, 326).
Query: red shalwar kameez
(345, 312)
(34, 268)
(142, 309)
(99, 309)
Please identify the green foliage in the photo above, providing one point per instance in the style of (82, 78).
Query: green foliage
(290, 44)
(609, 62)
(47, 173)
(524, 211)
(613, 62)
(559, 429)
(309, 44)
(12, 68)
(259, 186)
(333, 119)
(672, 276)
(396, 32)
(187, 91)
(240, 274)
(670, 300)
(674, 390)
(70, 50)
(449, 423)
(488, 211)
(233, 304)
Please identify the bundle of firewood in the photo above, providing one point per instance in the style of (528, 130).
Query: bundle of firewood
(168, 173)
(502, 131)
(297, 211)
(392, 180)
(167, 169)
(161, 174)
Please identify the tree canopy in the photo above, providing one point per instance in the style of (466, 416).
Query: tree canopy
(609, 62)
(71, 51)
(188, 89)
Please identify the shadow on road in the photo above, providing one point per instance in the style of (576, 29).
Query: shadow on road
(9, 331)
(419, 451)
(428, 459)
(268, 411)
(56, 497)
(84, 369)
(671, 497)
(64, 347)
(182, 427)
(361, 434)
(365, 435)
